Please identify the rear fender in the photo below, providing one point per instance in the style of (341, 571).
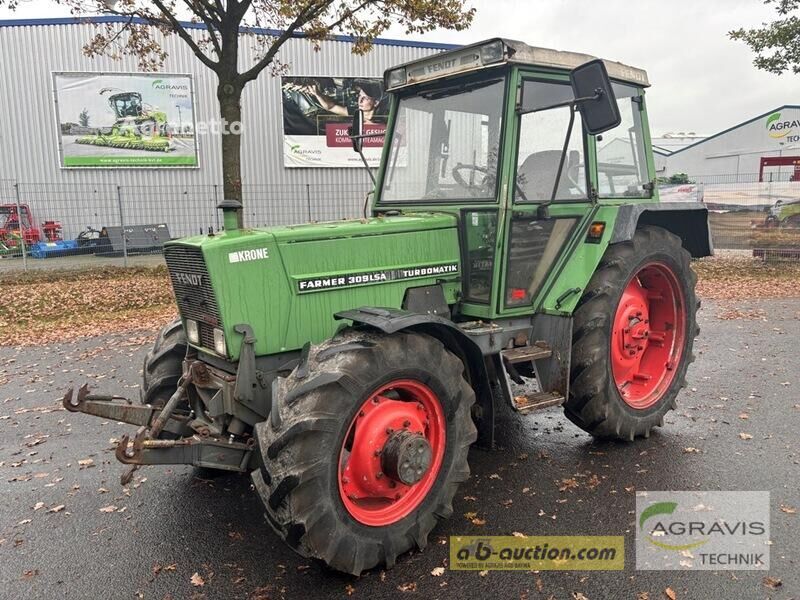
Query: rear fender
(687, 220)
(392, 320)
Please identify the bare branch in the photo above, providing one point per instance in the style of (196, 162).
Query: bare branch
(184, 35)
(307, 14)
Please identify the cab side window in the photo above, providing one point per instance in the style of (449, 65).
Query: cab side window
(541, 142)
(621, 157)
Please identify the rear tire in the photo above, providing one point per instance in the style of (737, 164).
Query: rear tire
(625, 375)
(318, 444)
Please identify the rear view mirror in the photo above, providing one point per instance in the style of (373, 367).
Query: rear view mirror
(357, 131)
(598, 105)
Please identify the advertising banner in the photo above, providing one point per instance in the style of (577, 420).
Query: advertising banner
(317, 112)
(125, 120)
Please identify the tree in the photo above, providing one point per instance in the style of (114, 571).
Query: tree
(217, 45)
(776, 44)
(83, 118)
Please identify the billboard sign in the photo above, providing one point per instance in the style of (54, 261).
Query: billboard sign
(125, 120)
(317, 112)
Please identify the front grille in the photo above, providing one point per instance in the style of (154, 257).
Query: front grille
(192, 287)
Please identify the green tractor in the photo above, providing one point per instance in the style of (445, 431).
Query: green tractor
(137, 127)
(348, 366)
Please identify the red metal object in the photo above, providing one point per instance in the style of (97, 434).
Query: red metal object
(648, 335)
(780, 161)
(371, 496)
(14, 224)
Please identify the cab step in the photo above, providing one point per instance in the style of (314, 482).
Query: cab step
(527, 353)
(537, 401)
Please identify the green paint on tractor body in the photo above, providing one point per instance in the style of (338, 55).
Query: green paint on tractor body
(349, 264)
(288, 282)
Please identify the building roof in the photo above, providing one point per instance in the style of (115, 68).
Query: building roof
(105, 19)
(729, 129)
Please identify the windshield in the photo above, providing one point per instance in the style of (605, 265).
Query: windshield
(445, 144)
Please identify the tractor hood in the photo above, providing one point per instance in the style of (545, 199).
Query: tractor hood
(287, 283)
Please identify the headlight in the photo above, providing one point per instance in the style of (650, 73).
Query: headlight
(219, 343)
(492, 53)
(192, 332)
(395, 78)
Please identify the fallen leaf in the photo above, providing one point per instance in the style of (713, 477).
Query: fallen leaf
(408, 587)
(744, 416)
(789, 510)
(38, 505)
(643, 596)
(56, 509)
(30, 573)
(670, 593)
(518, 534)
(690, 450)
(197, 580)
(86, 462)
(349, 589)
(108, 509)
(24, 522)
(479, 522)
(568, 484)
(470, 515)
(579, 596)
(483, 573)
(438, 572)
(772, 582)
(745, 436)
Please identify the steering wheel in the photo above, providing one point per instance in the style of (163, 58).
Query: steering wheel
(461, 180)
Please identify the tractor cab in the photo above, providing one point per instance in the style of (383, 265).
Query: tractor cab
(524, 146)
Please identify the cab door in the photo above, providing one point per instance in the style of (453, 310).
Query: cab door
(545, 211)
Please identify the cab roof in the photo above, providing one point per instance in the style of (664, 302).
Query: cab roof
(487, 54)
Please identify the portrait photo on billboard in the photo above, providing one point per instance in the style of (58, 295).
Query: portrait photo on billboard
(125, 120)
(317, 112)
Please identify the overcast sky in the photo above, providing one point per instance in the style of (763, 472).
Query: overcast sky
(702, 81)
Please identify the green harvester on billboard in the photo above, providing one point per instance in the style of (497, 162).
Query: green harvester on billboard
(125, 120)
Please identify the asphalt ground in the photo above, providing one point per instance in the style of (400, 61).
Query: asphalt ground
(172, 524)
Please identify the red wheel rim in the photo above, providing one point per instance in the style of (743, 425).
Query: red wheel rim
(648, 335)
(403, 407)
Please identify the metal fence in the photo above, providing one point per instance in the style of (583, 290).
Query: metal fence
(756, 213)
(77, 225)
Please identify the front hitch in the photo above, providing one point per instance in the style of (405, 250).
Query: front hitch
(148, 448)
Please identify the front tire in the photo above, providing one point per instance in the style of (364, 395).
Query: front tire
(369, 448)
(633, 333)
(163, 365)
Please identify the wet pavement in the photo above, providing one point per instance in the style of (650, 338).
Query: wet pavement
(68, 529)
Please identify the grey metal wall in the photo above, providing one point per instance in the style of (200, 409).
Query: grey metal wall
(28, 132)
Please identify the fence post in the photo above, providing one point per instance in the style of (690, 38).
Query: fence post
(216, 203)
(308, 201)
(122, 227)
(21, 229)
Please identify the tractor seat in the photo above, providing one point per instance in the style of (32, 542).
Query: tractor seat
(536, 175)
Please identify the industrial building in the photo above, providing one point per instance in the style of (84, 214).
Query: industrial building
(67, 119)
(764, 148)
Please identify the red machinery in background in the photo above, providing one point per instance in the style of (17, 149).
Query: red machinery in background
(16, 225)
